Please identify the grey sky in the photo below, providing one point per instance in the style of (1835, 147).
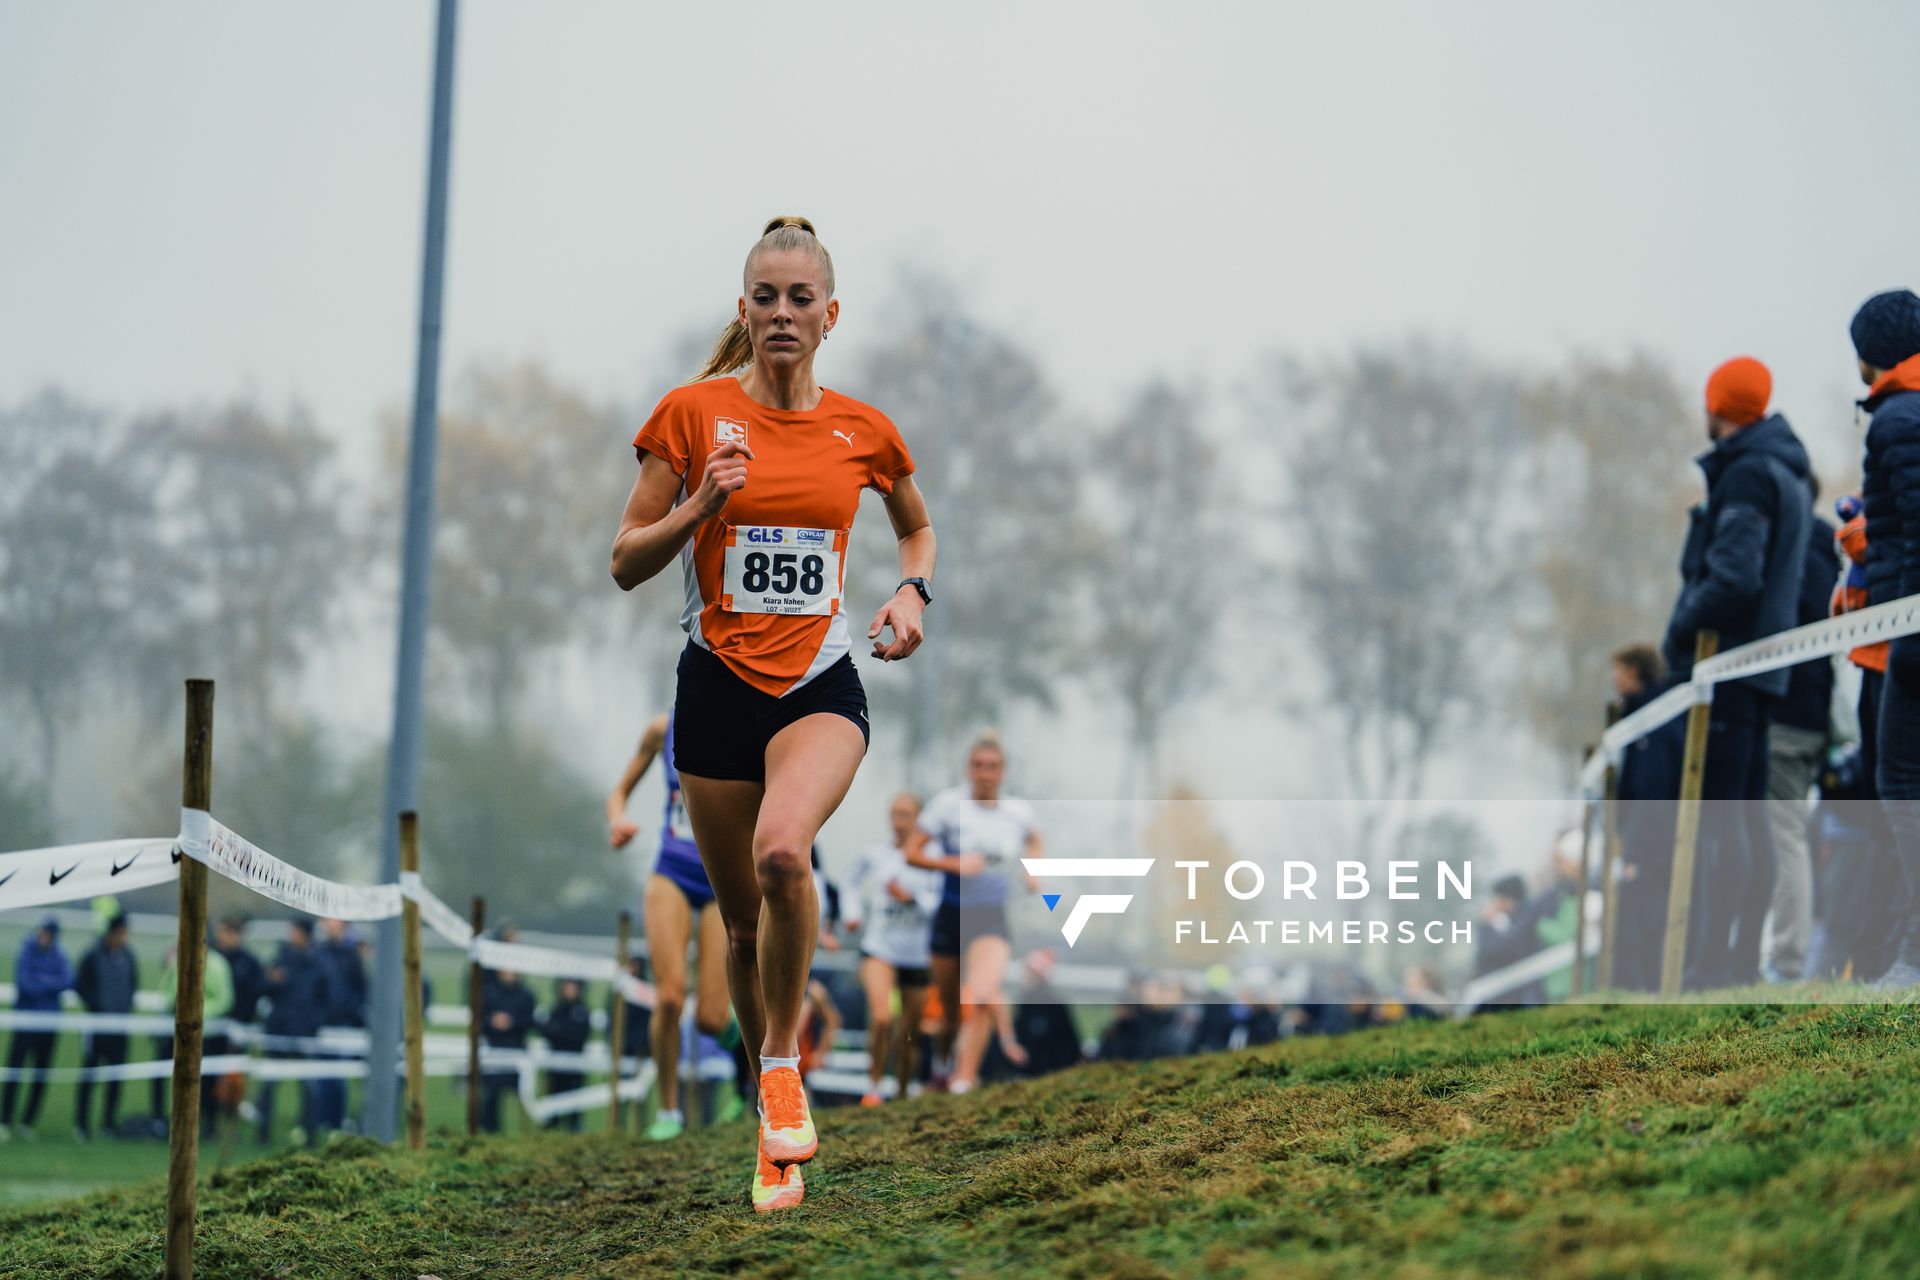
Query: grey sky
(206, 197)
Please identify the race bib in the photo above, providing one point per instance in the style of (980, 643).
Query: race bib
(679, 826)
(780, 569)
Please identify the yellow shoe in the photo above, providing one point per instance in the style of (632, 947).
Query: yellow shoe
(786, 1126)
(775, 1187)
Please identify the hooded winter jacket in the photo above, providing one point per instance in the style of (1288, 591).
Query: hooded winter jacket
(1746, 548)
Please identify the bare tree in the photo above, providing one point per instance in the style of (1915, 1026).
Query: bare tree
(79, 559)
(531, 481)
(1003, 487)
(251, 512)
(1400, 482)
(1611, 478)
(1157, 570)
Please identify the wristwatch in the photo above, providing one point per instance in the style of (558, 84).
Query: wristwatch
(918, 584)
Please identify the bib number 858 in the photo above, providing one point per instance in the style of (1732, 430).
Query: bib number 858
(783, 571)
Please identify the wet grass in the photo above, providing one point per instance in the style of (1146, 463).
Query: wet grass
(1623, 1141)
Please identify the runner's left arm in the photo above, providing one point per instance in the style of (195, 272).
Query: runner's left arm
(907, 509)
(621, 828)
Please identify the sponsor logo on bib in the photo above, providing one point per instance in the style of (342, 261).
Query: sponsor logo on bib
(729, 431)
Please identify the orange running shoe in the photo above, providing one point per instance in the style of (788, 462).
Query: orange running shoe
(786, 1126)
(775, 1187)
(871, 1098)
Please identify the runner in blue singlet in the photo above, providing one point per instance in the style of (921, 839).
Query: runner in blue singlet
(677, 896)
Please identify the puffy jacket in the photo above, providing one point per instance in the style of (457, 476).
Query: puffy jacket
(300, 994)
(108, 978)
(1890, 491)
(567, 1026)
(1746, 547)
(40, 974)
(1810, 684)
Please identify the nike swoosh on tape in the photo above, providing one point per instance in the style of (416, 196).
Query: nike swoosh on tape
(56, 878)
(122, 866)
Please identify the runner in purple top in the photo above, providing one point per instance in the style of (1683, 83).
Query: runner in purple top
(678, 909)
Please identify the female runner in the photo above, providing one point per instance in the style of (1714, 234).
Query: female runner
(752, 482)
(976, 834)
(897, 903)
(677, 896)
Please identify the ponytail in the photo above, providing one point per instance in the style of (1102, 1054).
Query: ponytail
(734, 348)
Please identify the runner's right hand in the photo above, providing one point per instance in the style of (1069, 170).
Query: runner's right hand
(724, 474)
(972, 864)
(622, 832)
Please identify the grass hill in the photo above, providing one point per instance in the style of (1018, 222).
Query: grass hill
(1703, 1140)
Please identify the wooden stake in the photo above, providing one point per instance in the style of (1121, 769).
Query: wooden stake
(1686, 835)
(476, 1010)
(617, 1033)
(190, 968)
(415, 1005)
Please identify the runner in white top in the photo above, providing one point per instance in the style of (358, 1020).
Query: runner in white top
(896, 903)
(976, 836)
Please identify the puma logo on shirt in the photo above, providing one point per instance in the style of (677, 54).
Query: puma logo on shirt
(847, 436)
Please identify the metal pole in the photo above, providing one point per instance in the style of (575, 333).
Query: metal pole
(403, 760)
(189, 1005)
(617, 1033)
(415, 998)
(1693, 772)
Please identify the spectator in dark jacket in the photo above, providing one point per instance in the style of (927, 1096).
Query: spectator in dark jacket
(249, 975)
(1797, 741)
(1886, 338)
(346, 1007)
(109, 975)
(297, 984)
(1647, 788)
(40, 973)
(1741, 572)
(566, 1029)
(507, 1017)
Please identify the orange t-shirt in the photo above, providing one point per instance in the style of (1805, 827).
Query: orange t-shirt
(764, 577)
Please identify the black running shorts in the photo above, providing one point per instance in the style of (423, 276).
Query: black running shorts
(722, 724)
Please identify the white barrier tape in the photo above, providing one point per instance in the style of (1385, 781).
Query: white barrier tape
(71, 872)
(110, 1024)
(208, 841)
(435, 914)
(573, 1101)
(220, 1065)
(1630, 729)
(1887, 621)
(335, 1041)
(594, 1060)
(1843, 634)
(517, 957)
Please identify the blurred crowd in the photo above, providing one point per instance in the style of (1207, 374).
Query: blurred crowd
(1807, 862)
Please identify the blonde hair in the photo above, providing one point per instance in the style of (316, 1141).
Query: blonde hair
(987, 740)
(734, 348)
